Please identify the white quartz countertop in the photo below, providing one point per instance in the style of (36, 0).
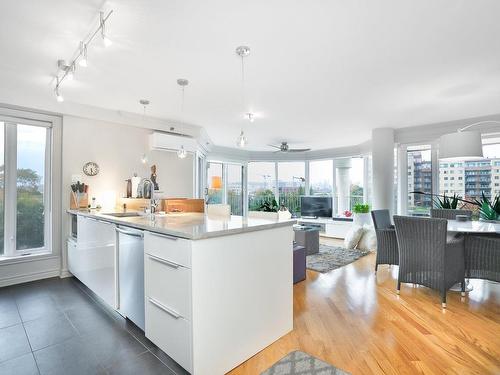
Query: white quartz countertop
(193, 226)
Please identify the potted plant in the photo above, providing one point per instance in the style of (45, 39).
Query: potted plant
(489, 211)
(361, 214)
(268, 209)
(449, 203)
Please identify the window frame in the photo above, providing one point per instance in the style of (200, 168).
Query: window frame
(10, 190)
(435, 164)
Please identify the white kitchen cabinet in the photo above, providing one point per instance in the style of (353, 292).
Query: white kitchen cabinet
(92, 260)
(213, 303)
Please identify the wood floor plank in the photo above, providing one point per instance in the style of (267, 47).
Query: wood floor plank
(353, 319)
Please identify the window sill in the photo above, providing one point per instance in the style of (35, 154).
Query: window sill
(6, 260)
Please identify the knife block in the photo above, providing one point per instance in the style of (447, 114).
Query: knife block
(84, 201)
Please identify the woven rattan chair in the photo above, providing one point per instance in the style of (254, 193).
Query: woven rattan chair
(482, 257)
(426, 257)
(387, 244)
(449, 214)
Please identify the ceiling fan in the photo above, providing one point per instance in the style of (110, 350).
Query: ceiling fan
(285, 148)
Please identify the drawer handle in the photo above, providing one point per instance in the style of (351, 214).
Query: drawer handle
(164, 308)
(164, 261)
(173, 238)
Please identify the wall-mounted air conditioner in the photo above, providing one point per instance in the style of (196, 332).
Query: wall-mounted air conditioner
(172, 142)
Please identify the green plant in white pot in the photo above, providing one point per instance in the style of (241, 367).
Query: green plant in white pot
(361, 214)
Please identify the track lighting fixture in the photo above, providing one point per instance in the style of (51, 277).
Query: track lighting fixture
(67, 71)
(107, 42)
(59, 97)
(83, 53)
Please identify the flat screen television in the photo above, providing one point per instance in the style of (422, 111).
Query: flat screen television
(316, 206)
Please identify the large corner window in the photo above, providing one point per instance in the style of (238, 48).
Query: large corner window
(419, 180)
(214, 183)
(225, 185)
(470, 179)
(291, 184)
(321, 178)
(261, 184)
(351, 183)
(24, 188)
(234, 193)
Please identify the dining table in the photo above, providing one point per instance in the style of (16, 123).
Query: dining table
(474, 227)
(477, 227)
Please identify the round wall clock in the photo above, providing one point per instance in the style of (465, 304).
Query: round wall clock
(91, 168)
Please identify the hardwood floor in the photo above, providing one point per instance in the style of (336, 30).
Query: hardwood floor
(353, 319)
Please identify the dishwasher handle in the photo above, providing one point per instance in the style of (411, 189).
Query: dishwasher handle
(129, 233)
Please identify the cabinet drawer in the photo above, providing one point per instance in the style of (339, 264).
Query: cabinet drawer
(171, 334)
(169, 284)
(173, 249)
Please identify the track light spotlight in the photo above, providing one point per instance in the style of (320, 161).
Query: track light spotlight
(83, 55)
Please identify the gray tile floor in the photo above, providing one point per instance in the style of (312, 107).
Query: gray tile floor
(56, 326)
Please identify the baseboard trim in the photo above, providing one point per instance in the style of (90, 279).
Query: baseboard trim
(19, 279)
(65, 273)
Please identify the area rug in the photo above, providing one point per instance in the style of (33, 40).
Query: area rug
(300, 363)
(333, 257)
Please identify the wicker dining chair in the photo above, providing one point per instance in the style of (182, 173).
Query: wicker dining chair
(387, 244)
(482, 257)
(449, 214)
(426, 257)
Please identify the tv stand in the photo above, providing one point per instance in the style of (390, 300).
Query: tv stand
(329, 227)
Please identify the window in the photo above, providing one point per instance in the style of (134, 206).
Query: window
(234, 194)
(291, 184)
(24, 188)
(261, 183)
(321, 178)
(350, 176)
(214, 183)
(477, 175)
(419, 163)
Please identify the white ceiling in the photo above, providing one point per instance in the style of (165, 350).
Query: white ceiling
(321, 74)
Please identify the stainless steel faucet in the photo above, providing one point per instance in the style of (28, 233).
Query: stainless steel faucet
(152, 201)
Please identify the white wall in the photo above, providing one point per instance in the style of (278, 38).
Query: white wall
(117, 149)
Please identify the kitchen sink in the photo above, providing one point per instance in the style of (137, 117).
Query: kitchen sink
(123, 214)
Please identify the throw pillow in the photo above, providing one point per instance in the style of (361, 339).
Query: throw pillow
(368, 241)
(353, 236)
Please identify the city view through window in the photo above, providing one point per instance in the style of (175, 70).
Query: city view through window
(469, 179)
(291, 183)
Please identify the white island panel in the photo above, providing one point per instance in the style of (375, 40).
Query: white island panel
(242, 293)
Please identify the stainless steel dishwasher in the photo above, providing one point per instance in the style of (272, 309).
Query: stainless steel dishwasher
(130, 245)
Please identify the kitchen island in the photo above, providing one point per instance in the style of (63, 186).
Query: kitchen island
(217, 290)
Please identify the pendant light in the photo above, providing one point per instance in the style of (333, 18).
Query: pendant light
(242, 52)
(144, 103)
(463, 144)
(182, 82)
